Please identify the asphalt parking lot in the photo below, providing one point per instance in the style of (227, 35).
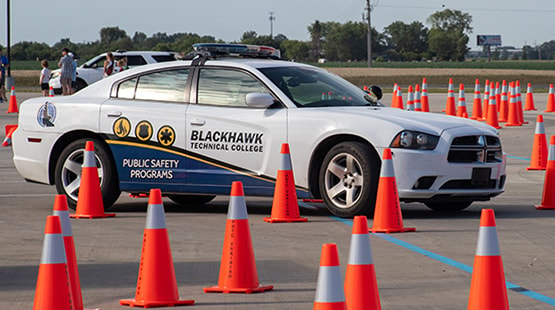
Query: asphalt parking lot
(426, 269)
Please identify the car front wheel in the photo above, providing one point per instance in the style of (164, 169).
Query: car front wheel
(349, 178)
(67, 175)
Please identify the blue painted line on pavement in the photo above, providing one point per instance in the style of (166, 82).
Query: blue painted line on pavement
(511, 286)
(520, 158)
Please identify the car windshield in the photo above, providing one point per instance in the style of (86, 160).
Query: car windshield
(314, 87)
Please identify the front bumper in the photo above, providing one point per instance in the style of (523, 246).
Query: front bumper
(434, 178)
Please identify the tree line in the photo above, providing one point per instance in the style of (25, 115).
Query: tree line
(446, 40)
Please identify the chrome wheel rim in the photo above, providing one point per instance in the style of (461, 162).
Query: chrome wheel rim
(71, 173)
(344, 181)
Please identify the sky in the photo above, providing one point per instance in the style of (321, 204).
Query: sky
(518, 22)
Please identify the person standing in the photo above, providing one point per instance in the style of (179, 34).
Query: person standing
(4, 63)
(109, 64)
(66, 64)
(73, 73)
(44, 78)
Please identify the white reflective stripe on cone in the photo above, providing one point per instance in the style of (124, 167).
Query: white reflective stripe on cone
(387, 169)
(155, 218)
(237, 208)
(329, 287)
(360, 252)
(551, 154)
(54, 251)
(285, 162)
(66, 224)
(540, 129)
(88, 159)
(488, 245)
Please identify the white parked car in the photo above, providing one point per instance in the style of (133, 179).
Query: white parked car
(92, 70)
(192, 127)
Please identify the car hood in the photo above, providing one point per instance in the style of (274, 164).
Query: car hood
(398, 119)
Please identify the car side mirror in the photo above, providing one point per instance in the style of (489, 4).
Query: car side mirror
(259, 100)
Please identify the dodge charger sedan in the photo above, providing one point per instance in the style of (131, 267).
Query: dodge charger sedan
(192, 127)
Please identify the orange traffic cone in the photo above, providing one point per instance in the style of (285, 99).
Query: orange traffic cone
(529, 105)
(329, 293)
(425, 101)
(497, 97)
(89, 200)
(156, 285)
(53, 286)
(548, 196)
(450, 104)
(550, 100)
(538, 159)
(461, 104)
(513, 119)
(520, 109)
(492, 109)
(9, 132)
(487, 289)
(486, 102)
(61, 210)
(12, 108)
(238, 268)
(477, 103)
(399, 101)
(410, 99)
(285, 208)
(387, 214)
(361, 287)
(503, 104)
(51, 92)
(394, 96)
(417, 99)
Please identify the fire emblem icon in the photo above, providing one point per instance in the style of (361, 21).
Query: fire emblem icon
(121, 127)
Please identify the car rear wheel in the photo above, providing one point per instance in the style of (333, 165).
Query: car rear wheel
(67, 175)
(448, 206)
(349, 178)
(191, 200)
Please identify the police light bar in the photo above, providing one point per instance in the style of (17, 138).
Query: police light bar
(236, 49)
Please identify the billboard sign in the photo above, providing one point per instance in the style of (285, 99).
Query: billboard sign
(485, 40)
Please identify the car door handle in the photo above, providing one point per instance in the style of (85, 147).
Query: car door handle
(114, 114)
(198, 122)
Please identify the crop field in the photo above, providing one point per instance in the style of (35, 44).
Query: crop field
(438, 79)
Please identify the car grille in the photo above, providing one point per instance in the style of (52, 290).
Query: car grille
(475, 149)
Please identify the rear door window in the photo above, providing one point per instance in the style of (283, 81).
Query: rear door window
(160, 86)
(135, 60)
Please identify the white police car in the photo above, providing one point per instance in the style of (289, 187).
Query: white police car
(192, 127)
(93, 70)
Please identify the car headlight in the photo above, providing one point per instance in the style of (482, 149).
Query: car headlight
(55, 74)
(414, 140)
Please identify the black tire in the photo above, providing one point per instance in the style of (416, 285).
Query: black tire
(348, 179)
(448, 206)
(191, 200)
(68, 171)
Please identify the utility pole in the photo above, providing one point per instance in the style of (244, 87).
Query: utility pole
(9, 41)
(272, 18)
(369, 35)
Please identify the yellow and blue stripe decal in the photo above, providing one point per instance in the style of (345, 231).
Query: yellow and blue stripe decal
(142, 166)
(453, 263)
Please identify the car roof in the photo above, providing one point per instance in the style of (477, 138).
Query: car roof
(140, 52)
